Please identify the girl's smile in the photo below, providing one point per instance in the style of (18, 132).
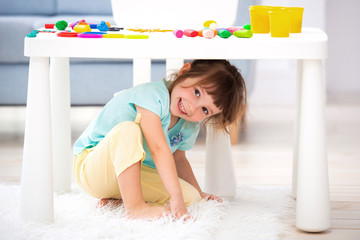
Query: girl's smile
(191, 102)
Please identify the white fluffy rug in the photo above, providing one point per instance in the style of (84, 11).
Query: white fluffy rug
(256, 213)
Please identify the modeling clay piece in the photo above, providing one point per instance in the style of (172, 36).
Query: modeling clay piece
(93, 25)
(108, 24)
(178, 33)
(84, 35)
(115, 35)
(213, 26)
(49, 25)
(102, 26)
(247, 27)
(101, 33)
(82, 27)
(115, 29)
(208, 33)
(137, 36)
(67, 34)
(72, 25)
(243, 33)
(224, 33)
(33, 34)
(233, 29)
(207, 23)
(61, 25)
(191, 33)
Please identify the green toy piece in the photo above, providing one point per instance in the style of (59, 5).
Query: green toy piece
(247, 26)
(243, 33)
(224, 33)
(61, 25)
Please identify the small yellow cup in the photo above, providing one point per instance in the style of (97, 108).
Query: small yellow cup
(259, 19)
(280, 22)
(296, 19)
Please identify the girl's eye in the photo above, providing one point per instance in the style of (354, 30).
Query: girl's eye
(205, 110)
(197, 93)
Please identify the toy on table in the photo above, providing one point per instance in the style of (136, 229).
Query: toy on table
(93, 25)
(141, 30)
(87, 35)
(191, 33)
(67, 34)
(49, 25)
(178, 33)
(224, 33)
(114, 35)
(115, 29)
(103, 26)
(61, 25)
(138, 36)
(72, 25)
(243, 33)
(82, 27)
(247, 26)
(208, 33)
(33, 34)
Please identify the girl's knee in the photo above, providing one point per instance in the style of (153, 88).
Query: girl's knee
(190, 194)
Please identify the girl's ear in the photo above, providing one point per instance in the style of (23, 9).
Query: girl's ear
(185, 68)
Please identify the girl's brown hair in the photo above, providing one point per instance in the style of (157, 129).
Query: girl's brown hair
(224, 83)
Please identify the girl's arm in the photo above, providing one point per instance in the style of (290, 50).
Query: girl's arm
(164, 161)
(185, 172)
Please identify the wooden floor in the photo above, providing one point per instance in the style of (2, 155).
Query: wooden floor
(263, 156)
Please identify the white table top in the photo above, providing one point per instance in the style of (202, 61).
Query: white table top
(310, 44)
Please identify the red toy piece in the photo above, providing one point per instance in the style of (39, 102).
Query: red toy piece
(190, 33)
(49, 25)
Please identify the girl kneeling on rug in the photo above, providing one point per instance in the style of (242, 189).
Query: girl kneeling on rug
(134, 150)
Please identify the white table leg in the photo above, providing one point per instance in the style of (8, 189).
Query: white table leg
(36, 203)
(296, 127)
(60, 120)
(219, 169)
(173, 65)
(141, 71)
(313, 201)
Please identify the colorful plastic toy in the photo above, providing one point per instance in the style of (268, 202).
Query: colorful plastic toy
(82, 27)
(49, 25)
(233, 29)
(84, 35)
(33, 34)
(247, 26)
(115, 29)
(178, 33)
(93, 25)
(208, 33)
(102, 26)
(224, 33)
(191, 33)
(208, 22)
(243, 33)
(61, 25)
(67, 34)
(114, 35)
(137, 36)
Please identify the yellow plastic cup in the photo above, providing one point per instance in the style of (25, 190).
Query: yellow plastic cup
(259, 19)
(296, 19)
(280, 22)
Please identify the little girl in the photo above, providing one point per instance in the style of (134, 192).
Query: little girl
(134, 150)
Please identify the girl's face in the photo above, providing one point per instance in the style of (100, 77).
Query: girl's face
(191, 103)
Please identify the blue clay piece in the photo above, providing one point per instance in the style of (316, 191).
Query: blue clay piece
(102, 26)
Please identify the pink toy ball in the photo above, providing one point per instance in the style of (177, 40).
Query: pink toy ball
(178, 33)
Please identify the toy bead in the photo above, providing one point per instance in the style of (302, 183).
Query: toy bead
(224, 33)
(243, 33)
(213, 26)
(61, 25)
(49, 25)
(80, 28)
(207, 23)
(247, 27)
(113, 35)
(137, 36)
(102, 26)
(191, 33)
(178, 33)
(208, 33)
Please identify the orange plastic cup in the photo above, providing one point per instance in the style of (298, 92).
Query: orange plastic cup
(259, 19)
(280, 22)
(296, 19)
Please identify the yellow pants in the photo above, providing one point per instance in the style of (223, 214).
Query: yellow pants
(97, 169)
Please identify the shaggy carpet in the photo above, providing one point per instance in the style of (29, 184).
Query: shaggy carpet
(256, 213)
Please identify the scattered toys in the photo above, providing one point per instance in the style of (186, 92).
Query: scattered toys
(61, 25)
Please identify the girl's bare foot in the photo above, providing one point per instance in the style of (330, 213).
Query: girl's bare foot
(146, 212)
(105, 201)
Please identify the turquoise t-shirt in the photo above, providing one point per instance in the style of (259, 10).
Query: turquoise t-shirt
(153, 96)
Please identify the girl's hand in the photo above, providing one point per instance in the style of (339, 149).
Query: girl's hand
(178, 209)
(208, 196)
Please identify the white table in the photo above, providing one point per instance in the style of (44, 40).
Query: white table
(47, 132)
